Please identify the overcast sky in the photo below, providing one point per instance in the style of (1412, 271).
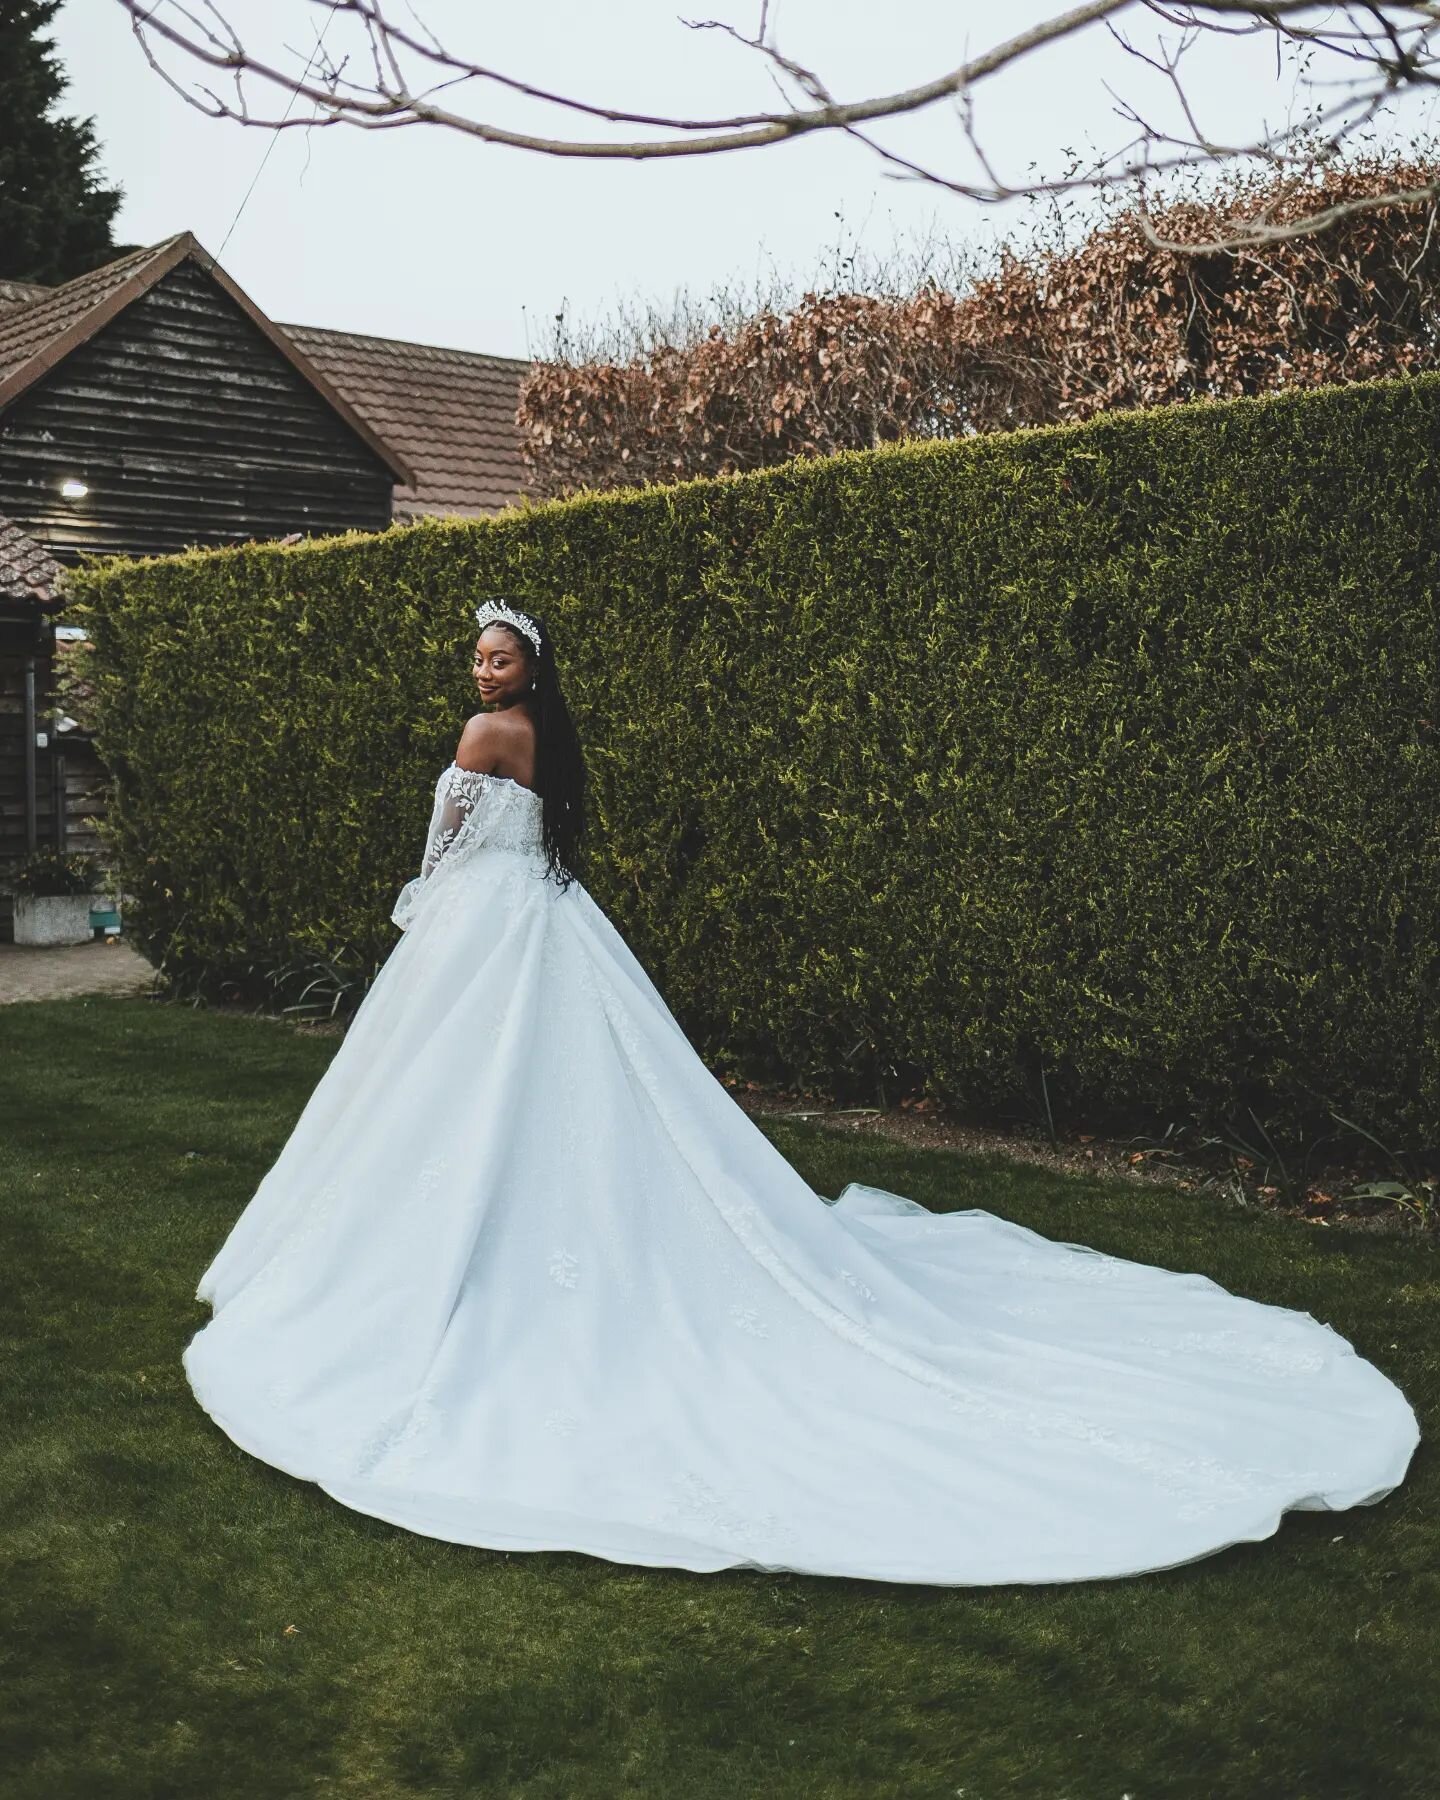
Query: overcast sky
(427, 235)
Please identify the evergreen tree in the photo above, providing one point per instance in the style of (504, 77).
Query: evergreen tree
(55, 217)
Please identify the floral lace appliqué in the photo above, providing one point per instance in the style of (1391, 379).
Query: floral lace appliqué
(306, 1221)
(696, 1508)
(1265, 1356)
(472, 811)
(429, 1178)
(564, 1268)
(397, 1441)
(856, 1283)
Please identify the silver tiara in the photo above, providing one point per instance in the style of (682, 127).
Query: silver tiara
(496, 612)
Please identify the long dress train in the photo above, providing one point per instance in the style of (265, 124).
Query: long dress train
(525, 1276)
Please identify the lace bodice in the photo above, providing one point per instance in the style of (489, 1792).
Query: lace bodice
(472, 810)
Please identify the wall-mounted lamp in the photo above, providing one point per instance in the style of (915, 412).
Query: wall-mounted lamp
(73, 489)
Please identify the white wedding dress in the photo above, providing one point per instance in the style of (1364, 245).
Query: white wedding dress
(525, 1276)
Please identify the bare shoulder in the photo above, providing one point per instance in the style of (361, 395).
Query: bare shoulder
(491, 741)
(481, 742)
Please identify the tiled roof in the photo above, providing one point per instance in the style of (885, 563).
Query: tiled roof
(20, 293)
(75, 657)
(40, 333)
(27, 570)
(29, 330)
(447, 417)
(450, 414)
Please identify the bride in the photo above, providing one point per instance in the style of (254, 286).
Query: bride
(525, 1276)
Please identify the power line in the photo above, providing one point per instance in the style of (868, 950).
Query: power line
(275, 134)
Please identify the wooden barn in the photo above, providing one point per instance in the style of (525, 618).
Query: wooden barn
(151, 405)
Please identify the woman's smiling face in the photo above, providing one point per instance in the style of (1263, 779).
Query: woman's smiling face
(501, 668)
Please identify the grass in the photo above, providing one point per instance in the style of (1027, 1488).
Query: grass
(181, 1620)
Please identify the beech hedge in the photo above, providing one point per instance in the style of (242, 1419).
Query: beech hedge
(1101, 757)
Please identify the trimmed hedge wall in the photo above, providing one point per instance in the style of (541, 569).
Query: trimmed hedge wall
(1109, 752)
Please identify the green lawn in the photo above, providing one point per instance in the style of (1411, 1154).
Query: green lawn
(182, 1620)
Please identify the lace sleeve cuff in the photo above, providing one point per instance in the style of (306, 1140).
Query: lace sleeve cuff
(453, 825)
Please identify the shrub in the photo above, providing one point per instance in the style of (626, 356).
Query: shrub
(1103, 753)
(51, 871)
(1052, 332)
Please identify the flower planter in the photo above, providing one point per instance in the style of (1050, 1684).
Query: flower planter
(53, 918)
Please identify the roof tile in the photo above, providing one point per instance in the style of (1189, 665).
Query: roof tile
(27, 570)
(19, 293)
(28, 327)
(450, 414)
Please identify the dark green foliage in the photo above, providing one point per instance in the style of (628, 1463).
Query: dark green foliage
(1104, 753)
(51, 871)
(55, 217)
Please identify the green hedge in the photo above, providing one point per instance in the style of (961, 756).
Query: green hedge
(1106, 753)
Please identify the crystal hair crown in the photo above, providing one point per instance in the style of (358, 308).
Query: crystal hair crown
(496, 612)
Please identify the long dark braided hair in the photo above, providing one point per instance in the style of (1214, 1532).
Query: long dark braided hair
(559, 759)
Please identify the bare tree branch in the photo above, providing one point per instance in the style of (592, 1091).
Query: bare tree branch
(394, 74)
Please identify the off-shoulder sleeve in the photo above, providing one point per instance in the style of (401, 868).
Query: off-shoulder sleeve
(457, 825)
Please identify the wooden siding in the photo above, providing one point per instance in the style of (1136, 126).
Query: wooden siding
(188, 427)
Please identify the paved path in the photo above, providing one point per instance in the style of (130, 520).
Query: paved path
(53, 971)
